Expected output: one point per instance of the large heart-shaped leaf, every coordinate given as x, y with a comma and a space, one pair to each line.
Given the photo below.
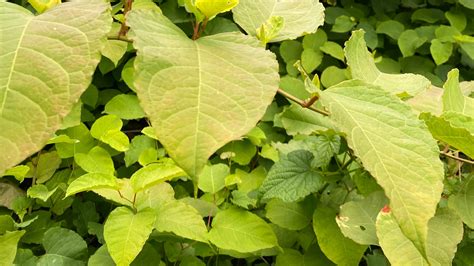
395, 147
47, 61
214, 92
299, 17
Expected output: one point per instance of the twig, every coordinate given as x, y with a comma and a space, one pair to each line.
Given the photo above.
127, 7
120, 38
301, 103
456, 158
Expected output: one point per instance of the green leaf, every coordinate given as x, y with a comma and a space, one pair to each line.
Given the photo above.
242, 231
42, 6
9, 192
333, 75
19, 172
181, 219
64, 242
363, 67
153, 174
212, 178
444, 233
114, 50
97, 160
391, 28
40, 191
289, 215
9, 242
453, 98
292, 178
338, 248
463, 202
92, 181
299, 17
315, 40
84, 143
409, 41
139, 144
125, 106
107, 129
126, 232
311, 59
452, 128
388, 138
46, 164
343, 24
441, 52
356, 219
456, 18
467, 3
298, 120
39, 85
430, 15
210, 8
240, 151
333, 49
213, 112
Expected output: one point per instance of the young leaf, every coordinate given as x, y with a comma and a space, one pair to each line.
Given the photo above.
338, 248
242, 231
444, 233
292, 178
126, 232
9, 243
388, 138
363, 67
153, 174
299, 17
92, 181
210, 8
40, 85
196, 105
182, 219
356, 219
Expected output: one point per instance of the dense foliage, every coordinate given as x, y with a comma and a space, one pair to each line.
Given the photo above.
226, 132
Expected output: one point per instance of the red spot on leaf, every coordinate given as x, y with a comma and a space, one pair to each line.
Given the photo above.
386, 209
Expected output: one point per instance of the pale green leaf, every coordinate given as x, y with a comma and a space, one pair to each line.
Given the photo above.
154, 196
463, 202
292, 178
92, 181
299, 17
338, 248
126, 232
54, 259
125, 106
363, 67
47, 61
452, 128
114, 50
356, 219
441, 52
298, 120
40, 191
212, 178
64, 242
428, 101
181, 219
97, 160
8, 244
213, 72
395, 147
444, 233
453, 98
153, 174
242, 231
289, 215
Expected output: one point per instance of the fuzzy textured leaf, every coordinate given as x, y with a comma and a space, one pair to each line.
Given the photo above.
395, 147
195, 101
47, 61
299, 17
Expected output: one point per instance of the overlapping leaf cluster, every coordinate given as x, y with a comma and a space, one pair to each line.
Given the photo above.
178, 149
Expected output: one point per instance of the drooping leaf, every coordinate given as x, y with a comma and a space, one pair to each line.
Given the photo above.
242, 231
8, 244
196, 105
126, 232
48, 61
444, 233
153, 174
338, 248
64, 242
92, 181
395, 147
453, 98
463, 202
299, 17
363, 67
182, 219
356, 219
292, 178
